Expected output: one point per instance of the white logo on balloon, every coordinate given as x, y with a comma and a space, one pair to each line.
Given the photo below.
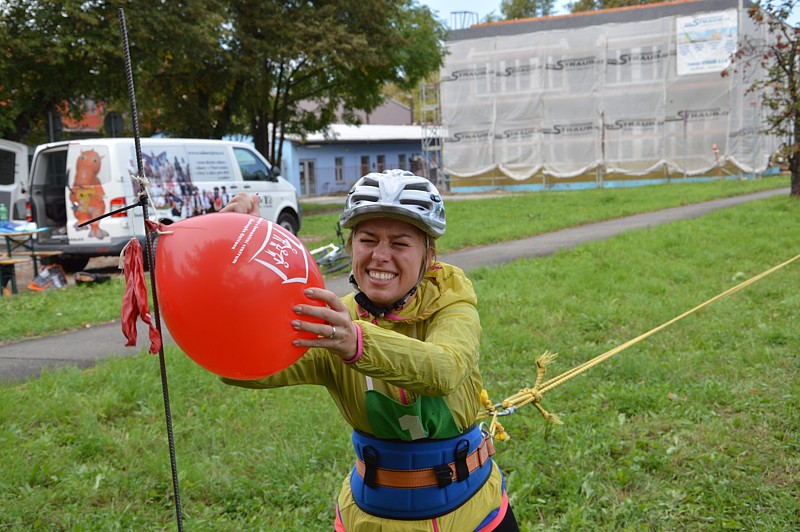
274, 252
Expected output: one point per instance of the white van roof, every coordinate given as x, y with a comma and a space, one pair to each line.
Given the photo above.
159, 140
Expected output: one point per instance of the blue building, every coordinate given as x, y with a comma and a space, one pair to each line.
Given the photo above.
330, 162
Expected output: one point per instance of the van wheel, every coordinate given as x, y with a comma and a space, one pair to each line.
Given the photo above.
288, 221
70, 264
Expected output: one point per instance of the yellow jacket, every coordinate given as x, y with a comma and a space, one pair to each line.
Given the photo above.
430, 347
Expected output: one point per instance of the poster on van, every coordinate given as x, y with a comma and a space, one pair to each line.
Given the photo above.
186, 181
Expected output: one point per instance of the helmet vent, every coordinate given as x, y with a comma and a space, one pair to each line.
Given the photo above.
418, 203
363, 196
418, 186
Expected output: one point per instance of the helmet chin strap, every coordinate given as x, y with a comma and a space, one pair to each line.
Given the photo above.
376, 310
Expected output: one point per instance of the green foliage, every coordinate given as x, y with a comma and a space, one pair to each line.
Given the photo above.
183, 85
695, 428
208, 68
516, 9
315, 60
51, 55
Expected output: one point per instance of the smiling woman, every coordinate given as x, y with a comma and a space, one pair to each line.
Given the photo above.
399, 357
389, 259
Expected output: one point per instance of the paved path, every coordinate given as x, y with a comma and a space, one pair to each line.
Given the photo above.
21, 360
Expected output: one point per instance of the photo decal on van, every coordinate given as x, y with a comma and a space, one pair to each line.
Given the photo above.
87, 193
173, 187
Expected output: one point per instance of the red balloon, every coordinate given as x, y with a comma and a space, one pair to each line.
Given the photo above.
226, 285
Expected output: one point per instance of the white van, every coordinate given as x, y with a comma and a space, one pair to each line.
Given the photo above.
13, 178
73, 182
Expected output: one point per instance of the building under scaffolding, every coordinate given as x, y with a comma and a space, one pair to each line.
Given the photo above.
606, 98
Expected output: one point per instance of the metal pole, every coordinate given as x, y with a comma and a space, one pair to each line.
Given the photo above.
685, 141
151, 265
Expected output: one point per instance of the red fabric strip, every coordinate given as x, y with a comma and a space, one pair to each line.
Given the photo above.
134, 300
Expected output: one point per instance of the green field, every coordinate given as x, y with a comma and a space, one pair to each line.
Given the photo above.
695, 428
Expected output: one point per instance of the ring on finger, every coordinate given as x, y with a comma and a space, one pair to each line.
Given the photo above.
333, 333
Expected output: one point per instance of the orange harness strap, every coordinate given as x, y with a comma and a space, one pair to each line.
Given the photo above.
428, 477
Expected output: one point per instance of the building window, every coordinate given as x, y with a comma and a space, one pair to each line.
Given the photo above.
364, 165
381, 163
339, 170
401, 161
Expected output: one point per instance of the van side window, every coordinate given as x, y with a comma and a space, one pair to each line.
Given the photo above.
56, 170
253, 168
8, 165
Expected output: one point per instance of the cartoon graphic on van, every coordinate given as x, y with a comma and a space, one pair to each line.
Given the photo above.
87, 193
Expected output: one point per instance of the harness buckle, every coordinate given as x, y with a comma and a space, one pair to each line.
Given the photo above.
371, 455
462, 451
444, 475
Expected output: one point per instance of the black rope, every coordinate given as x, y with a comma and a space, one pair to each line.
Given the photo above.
111, 213
151, 265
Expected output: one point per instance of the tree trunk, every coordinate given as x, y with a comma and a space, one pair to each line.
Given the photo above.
260, 131
794, 160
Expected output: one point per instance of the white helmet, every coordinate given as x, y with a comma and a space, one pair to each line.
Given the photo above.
395, 194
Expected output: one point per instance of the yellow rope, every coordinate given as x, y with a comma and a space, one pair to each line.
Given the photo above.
534, 395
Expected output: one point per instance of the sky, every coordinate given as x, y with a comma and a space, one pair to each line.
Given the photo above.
484, 7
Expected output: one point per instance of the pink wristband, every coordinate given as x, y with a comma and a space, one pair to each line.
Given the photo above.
359, 347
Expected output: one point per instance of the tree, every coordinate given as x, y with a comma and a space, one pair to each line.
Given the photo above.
56, 54
49, 54
209, 68
300, 64
182, 61
779, 86
517, 9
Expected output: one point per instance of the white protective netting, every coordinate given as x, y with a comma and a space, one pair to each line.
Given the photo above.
565, 102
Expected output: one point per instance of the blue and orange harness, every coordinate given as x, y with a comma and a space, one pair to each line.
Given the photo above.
421, 479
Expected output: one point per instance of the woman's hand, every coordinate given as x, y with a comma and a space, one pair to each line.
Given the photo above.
338, 334
244, 203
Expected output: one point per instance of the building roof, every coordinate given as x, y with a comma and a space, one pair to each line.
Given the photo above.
338, 133
593, 18
390, 112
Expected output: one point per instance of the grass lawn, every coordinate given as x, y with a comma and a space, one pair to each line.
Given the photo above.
695, 428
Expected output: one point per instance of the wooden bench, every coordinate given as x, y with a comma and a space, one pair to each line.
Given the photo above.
40, 254
8, 264
37, 257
